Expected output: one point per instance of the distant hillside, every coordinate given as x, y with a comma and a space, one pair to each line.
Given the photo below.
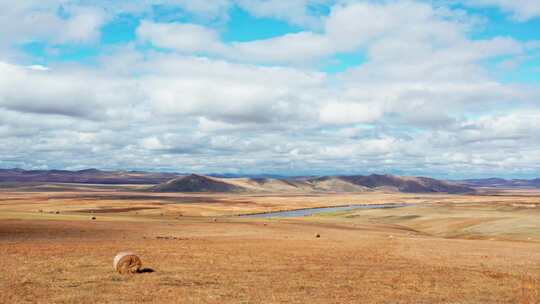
336, 184
407, 184
172, 182
196, 183
89, 176
339, 184
502, 183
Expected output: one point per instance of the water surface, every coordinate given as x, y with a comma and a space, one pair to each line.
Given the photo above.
312, 211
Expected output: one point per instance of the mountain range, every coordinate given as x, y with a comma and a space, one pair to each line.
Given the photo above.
501, 183
201, 183
177, 182
88, 176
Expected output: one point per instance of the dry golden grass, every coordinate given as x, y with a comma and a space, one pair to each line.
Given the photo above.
82, 200
417, 254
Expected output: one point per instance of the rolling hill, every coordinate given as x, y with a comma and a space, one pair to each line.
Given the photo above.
196, 183
173, 182
407, 184
501, 183
334, 184
88, 176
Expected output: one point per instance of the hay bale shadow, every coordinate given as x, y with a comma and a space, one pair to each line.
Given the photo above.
146, 270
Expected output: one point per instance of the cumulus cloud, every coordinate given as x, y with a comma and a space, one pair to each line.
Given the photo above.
521, 10
181, 37
235, 93
413, 26
299, 12
82, 26
422, 101
29, 20
296, 12
349, 113
41, 91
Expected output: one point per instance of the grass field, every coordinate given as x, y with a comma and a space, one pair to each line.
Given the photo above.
443, 248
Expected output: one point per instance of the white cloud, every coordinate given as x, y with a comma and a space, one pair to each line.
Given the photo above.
41, 91
27, 20
82, 26
152, 143
297, 12
422, 96
209, 9
489, 129
412, 26
229, 92
181, 37
76, 93
290, 48
349, 113
521, 10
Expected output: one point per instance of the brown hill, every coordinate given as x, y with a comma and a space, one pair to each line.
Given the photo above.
336, 184
407, 184
196, 183
88, 176
339, 184
502, 183
171, 182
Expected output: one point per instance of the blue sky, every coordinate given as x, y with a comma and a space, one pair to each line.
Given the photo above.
440, 88
240, 26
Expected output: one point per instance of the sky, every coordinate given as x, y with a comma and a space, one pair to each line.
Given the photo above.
444, 88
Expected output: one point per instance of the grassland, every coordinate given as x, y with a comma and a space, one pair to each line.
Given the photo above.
442, 249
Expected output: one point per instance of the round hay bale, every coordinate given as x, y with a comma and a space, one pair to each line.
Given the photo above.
127, 263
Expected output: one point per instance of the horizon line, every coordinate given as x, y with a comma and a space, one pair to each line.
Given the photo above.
275, 175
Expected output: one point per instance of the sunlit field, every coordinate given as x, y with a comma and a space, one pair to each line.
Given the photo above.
59, 246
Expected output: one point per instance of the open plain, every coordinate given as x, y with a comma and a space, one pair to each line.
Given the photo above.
57, 243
